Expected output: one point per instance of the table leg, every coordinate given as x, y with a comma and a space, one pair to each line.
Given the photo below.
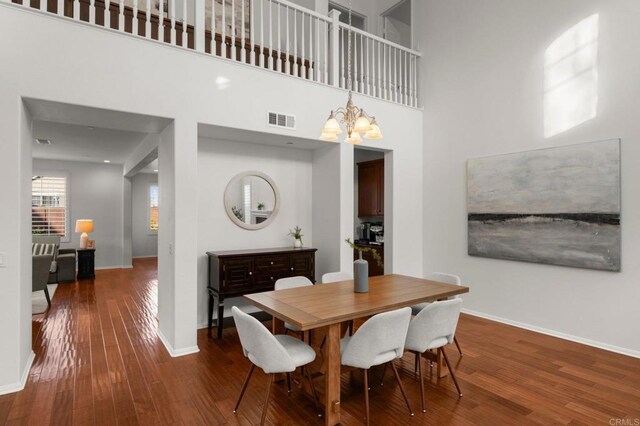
441, 369
332, 376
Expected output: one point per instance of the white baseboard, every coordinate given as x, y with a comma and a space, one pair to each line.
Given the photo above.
176, 352
558, 334
17, 387
100, 268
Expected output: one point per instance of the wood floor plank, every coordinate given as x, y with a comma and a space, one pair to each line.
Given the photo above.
99, 361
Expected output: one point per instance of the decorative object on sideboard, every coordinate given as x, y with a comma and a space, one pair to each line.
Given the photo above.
91, 244
361, 267
297, 235
355, 119
558, 206
85, 226
241, 200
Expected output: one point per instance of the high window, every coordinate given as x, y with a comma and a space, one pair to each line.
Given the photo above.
153, 207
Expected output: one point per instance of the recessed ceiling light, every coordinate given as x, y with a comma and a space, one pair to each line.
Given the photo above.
156, 171
43, 141
107, 161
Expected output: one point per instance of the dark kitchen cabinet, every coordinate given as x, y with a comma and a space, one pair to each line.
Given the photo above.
371, 188
374, 268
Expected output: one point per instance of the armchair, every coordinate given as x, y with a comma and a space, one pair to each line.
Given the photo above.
40, 268
63, 264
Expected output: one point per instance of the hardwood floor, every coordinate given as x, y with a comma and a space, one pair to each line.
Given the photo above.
99, 361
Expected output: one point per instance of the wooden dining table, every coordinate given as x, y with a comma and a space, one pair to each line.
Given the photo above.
329, 305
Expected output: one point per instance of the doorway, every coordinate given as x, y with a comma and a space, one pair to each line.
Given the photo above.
396, 24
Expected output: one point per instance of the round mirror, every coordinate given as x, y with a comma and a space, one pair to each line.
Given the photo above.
252, 200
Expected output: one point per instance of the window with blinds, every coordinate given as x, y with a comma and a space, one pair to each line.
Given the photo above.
49, 208
153, 207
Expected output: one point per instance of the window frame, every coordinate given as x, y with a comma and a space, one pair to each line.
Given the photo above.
57, 174
148, 208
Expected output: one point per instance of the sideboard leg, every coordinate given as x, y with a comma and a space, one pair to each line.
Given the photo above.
220, 317
210, 317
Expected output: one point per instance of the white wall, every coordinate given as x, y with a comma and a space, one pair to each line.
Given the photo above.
76, 59
145, 243
218, 162
483, 87
95, 192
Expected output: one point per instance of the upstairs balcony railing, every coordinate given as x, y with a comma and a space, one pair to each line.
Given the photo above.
271, 34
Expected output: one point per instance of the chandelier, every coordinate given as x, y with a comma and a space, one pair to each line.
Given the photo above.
355, 120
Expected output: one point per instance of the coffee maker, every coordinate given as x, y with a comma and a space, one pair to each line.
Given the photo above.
376, 233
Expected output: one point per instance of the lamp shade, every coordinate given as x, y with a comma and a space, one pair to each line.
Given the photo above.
362, 124
328, 137
332, 126
84, 225
374, 133
354, 138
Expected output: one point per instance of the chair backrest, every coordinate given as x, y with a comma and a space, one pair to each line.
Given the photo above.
41, 264
379, 335
444, 278
292, 282
260, 346
434, 326
332, 277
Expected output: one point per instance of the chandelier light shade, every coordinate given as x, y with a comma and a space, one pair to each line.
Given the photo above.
356, 121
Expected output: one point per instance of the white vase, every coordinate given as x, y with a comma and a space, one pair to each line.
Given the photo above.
297, 243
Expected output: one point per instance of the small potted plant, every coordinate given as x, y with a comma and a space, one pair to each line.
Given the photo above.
238, 213
260, 205
297, 235
361, 267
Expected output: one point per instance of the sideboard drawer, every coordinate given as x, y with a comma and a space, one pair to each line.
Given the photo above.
237, 274
271, 263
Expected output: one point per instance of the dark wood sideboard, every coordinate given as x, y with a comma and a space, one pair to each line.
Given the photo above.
238, 272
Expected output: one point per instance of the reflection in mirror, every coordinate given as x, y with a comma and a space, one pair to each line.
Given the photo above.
251, 200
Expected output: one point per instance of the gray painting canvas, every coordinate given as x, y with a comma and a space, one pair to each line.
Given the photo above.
558, 206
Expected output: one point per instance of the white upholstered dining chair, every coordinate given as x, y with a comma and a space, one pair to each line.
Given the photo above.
273, 354
332, 277
380, 340
292, 282
443, 278
433, 328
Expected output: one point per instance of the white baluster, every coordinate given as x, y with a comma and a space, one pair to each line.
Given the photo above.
303, 66
312, 64
214, 46
362, 76
406, 79
341, 58
318, 67
415, 81
160, 21
367, 58
326, 52
76, 9
185, 35
296, 70
355, 83
107, 14
270, 35
233, 30
60, 7
287, 64
243, 50
279, 42
121, 16
262, 58
147, 20
374, 75
172, 22
409, 80
92, 10
252, 37
223, 35
134, 21
43, 5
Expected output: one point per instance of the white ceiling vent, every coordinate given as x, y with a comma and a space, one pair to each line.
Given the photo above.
284, 121
43, 141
